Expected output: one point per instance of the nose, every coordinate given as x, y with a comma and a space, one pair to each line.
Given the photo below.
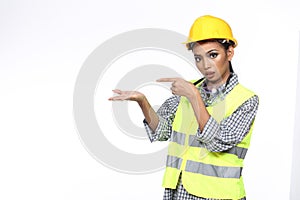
206, 64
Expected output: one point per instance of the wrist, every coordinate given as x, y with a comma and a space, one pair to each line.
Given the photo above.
193, 94
142, 100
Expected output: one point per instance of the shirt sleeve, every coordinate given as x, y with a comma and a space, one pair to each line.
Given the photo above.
166, 115
229, 132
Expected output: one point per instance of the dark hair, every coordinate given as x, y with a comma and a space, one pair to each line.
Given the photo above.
224, 42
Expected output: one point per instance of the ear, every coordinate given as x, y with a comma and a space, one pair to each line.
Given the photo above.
230, 53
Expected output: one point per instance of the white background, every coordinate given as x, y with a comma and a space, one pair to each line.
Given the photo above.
43, 45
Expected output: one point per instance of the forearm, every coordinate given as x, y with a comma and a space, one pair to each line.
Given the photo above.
165, 114
150, 115
199, 108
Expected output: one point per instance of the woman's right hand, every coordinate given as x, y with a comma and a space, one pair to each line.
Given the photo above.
150, 115
127, 95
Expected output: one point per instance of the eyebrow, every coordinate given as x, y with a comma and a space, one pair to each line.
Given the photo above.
206, 52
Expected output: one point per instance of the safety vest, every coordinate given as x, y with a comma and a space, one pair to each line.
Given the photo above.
206, 174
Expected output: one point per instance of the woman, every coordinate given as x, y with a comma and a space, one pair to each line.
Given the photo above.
208, 122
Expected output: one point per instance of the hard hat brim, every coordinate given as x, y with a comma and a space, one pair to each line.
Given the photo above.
192, 41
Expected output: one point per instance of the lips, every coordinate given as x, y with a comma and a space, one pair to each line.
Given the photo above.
209, 74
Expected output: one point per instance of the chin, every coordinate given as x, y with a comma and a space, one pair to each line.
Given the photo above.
211, 79
214, 80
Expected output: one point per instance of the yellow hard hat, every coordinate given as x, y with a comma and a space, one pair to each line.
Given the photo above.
210, 27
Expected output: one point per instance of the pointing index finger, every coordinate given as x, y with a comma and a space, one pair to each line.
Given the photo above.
166, 79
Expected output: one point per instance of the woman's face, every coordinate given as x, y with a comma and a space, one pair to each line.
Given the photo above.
212, 61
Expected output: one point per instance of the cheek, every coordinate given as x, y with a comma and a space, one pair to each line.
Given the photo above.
200, 67
220, 64
207, 63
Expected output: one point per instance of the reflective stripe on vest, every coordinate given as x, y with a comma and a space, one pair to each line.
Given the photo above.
178, 138
205, 169
240, 152
212, 170
174, 162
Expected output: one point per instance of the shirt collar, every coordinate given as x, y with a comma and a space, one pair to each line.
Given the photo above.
226, 87
211, 96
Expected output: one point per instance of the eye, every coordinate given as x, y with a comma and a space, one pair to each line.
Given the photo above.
197, 59
213, 55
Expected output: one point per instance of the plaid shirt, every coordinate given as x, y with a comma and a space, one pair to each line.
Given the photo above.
215, 136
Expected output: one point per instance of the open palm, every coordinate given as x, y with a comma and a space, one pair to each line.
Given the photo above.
127, 95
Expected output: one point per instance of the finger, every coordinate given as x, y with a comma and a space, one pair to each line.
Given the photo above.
117, 91
166, 79
117, 98
173, 89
